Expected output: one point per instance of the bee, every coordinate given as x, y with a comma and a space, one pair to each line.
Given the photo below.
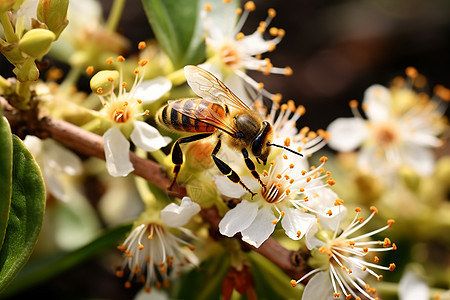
218, 112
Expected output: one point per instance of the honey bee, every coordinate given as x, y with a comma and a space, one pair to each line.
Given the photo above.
218, 112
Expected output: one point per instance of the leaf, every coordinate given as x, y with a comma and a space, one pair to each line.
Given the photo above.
26, 213
178, 28
43, 269
5, 175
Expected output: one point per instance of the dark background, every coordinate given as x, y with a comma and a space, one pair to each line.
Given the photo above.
336, 49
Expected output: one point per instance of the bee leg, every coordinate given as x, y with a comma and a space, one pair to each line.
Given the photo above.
232, 175
251, 167
177, 154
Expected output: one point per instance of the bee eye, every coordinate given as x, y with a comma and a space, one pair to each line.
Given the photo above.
258, 143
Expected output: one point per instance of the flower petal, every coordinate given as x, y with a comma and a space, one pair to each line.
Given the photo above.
117, 153
148, 137
319, 288
261, 227
230, 189
62, 159
296, 223
238, 218
178, 215
411, 287
151, 90
377, 101
311, 240
421, 159
346, 134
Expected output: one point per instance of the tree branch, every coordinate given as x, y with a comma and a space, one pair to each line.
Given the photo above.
88, 143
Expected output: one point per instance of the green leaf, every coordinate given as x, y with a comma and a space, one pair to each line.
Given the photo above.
178, 28
5, 175
26, 213
39, 271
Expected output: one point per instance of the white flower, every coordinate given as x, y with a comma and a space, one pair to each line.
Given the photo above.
55, 161
339, 265
152, 253
412, 287
288, 191
401, 129
231, 52
122, 110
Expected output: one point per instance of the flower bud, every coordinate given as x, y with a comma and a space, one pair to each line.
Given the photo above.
36, 42
102, 83
53, 13
28, 71
6, 5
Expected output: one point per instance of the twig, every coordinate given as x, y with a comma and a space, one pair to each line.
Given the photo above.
91, 144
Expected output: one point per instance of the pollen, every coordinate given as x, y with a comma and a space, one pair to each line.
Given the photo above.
374, 209
277, 97
110, 79
392, 267
90, 70
99, 91
358, 209
302, 190
305, 199
250, 6
273, 31
124, 84
238, 11
353, 103
139, 101
142, 45
380, 277
240, 36
274, 222
390, 223
338, 202
143, 62
288, 71
141, 246
207, 7
331, 181
366, 250
293, 283
411, 72
287, 142
120, 58
323, 159
336, 295
329, 213
386, 242
299, 234
109, 60
288, 191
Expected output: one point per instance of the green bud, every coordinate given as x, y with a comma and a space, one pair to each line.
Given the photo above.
28, 71
36, 42
6, 5
53, 13
102, 83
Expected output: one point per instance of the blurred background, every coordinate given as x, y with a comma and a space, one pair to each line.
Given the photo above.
336, 49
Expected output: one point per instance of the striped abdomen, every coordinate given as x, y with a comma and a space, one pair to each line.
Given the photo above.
187, 114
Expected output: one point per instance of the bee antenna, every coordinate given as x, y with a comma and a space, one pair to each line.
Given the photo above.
285, 148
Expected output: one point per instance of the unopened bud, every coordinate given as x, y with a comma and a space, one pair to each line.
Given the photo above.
54, 14
103, 82
6, 5
28, 71
36, 42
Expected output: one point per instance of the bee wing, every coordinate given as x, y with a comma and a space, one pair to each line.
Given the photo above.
205, 114
210, 88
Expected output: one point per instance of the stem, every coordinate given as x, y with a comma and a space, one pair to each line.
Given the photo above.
10, 35
4, 83
177, 77
23, 90
160, 157
115, 15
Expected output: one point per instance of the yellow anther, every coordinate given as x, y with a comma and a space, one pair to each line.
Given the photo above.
353, 103
136, 71
301, 190
110, 79
366, 250
291, 166
293, 283
143, 62
336, 295
119, 273
392, 267
329, 213
288, 191
288, 71
390, 222
150, 236
277, 97
120, 58
142, 45
141, 246
139, 101
386, 242
358, 209
260, 86
285, 156
271, 46
271, 12
250, 6
274, 222
207, 7
279, 176
99, 91
273, 31
127, 284
374, 209
331, 181
90, 70
411, 72
323, 159
109, 60
380, 277
299, 234
338, 202
124, 84
238, 11
304, 172
305, 199
240, 36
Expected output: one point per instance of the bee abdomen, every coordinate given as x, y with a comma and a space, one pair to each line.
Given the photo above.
171, 116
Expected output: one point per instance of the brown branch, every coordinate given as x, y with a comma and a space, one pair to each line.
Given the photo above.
91, 144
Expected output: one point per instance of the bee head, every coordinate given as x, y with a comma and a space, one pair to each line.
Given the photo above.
261, 144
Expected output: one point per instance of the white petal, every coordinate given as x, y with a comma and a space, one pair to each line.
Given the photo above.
311, 240
61, 158
295, 221
151, 90
233, 190
53, 182
377, 101
411, 287
33, 144
176, 216
419, 158
154, 294
319, 288
261, 228
346, 134
238, 218
148, 137
117, 153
